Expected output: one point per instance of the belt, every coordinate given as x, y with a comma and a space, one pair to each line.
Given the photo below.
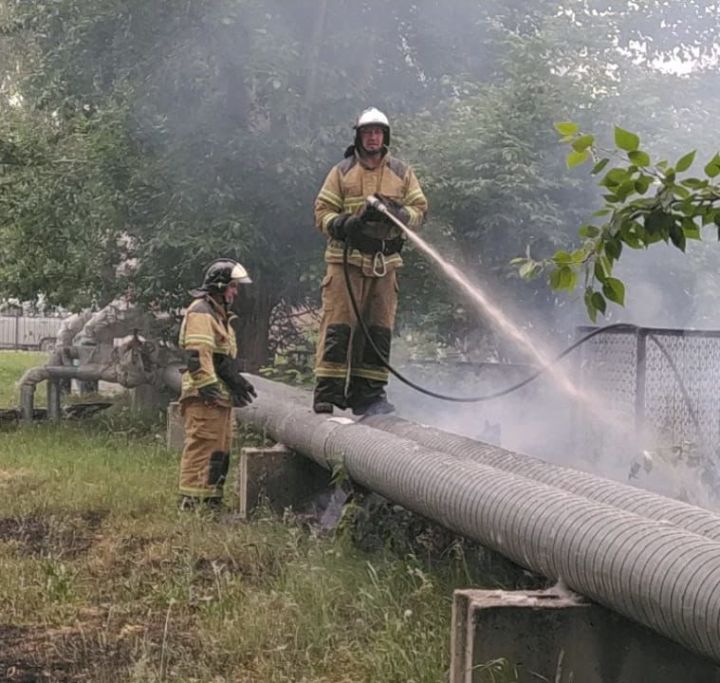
373, 245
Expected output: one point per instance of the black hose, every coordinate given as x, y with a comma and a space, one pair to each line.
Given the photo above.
503, 392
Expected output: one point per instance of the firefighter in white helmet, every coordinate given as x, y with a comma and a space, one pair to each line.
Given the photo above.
347, 370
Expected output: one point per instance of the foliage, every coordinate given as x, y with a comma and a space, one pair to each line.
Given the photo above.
646, 203
139, 140
103, 581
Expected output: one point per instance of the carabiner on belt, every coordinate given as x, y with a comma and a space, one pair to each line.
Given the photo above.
379, 268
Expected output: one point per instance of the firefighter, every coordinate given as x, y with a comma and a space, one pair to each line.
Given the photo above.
347, 370
211, 384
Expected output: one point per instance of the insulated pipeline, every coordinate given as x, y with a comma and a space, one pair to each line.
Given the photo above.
630, 498
601, 490
657, 574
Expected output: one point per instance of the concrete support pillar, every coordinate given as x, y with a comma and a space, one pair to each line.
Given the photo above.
54, 392
277, 477
531, 636
175, 431
147, 398
27, 402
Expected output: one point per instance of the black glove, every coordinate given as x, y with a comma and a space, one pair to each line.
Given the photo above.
228, 370
369, 214
343, 226
210, 393
192, 356
394, 207
243, 392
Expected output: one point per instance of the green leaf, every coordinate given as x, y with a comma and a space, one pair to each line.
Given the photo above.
589, 231
681, 192
685, 162
677, 236
566, 127
639, 158
598, 302
658, 223
694, 183
526, 270
614, 290
614, 177
591, 310
581, 143
600, 165
564, 278
613, 249
562, 257
626, 140
624, 190
713, 167
599, 271
643, 183
691, 230
577, 158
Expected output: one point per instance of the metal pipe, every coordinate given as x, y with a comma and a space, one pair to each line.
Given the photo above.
605, 491
657, 574
630, 498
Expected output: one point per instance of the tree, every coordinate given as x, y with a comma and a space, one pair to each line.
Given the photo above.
139, 140
646, 202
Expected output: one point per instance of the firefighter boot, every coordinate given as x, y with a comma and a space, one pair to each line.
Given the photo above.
368, 397
329, 392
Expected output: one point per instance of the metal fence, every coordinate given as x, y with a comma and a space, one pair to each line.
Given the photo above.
28, 332
667, 380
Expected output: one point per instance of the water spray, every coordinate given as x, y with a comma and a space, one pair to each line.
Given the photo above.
547, 364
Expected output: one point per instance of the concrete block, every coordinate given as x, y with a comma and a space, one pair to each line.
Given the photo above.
561, 638
278, 477
175, 434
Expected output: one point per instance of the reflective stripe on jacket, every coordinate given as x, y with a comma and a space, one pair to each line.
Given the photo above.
345, 189
206, 329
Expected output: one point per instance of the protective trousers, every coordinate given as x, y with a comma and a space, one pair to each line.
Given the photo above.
347, 370
206, 455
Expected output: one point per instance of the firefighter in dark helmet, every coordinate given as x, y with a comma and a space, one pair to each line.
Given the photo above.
347, 370
211, 384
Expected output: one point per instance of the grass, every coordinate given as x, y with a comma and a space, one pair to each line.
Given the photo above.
12, 366
104, 581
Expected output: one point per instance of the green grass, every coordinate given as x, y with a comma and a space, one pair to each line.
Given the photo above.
12, 366
103, 580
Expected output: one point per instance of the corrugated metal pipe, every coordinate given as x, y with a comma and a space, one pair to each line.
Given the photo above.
629, 498
656, 573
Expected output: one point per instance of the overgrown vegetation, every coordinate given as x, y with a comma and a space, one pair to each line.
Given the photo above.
165, 134
104, 580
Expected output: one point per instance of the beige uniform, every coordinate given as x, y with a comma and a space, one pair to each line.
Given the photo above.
205, 330
347, 370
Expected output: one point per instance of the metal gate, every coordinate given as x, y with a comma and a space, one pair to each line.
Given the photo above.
28, 332
667, 380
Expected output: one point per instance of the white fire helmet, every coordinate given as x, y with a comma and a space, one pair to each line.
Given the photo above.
372, 117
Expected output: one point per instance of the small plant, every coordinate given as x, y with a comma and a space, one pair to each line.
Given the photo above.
59, 580
497, 671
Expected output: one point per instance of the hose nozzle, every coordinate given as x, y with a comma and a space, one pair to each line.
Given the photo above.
373, 201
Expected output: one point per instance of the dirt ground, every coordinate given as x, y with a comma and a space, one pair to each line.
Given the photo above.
89, 649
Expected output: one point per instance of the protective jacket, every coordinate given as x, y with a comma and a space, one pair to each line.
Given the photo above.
206, 330
345, 189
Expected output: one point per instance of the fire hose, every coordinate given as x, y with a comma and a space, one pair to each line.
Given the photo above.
628, 327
